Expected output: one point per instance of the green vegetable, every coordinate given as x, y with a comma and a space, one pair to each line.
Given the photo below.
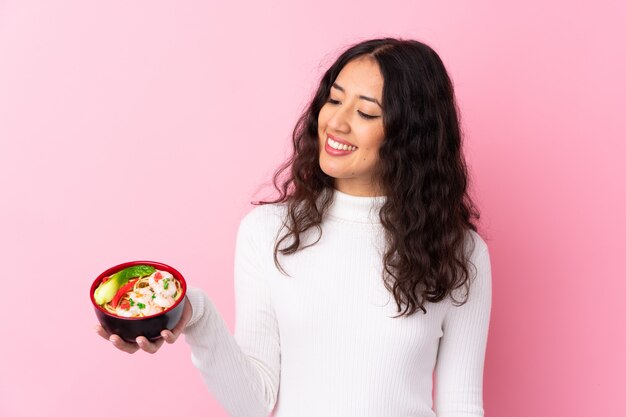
106, 291
141, 305
132, 302
166, 283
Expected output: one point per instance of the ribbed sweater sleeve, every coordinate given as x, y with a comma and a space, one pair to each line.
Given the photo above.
241, 371
461, 355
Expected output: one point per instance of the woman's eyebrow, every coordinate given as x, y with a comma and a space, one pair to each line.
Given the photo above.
373, 100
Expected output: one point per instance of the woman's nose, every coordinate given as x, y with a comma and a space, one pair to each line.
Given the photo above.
339, 120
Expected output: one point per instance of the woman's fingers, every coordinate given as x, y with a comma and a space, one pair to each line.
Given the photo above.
141, 342
117, 341
103, 333
168, 336
122, 345
148, 346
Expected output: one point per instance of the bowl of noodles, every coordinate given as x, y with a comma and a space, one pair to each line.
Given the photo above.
139, 298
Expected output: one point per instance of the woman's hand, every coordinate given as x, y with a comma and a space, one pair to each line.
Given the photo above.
142, 342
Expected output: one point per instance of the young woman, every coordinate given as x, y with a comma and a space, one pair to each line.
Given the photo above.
366, 278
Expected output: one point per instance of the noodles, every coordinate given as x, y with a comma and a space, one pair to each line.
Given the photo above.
146, 296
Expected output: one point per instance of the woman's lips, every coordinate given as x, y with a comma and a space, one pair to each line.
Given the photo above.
335, 152
336, 139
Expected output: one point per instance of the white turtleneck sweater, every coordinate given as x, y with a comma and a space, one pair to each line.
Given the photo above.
323, 343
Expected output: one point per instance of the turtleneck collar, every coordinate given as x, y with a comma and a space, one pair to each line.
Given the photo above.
355, 208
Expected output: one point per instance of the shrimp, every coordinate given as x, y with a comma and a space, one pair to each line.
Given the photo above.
151, 309
162, 283
141, 303
123, 312
163, 301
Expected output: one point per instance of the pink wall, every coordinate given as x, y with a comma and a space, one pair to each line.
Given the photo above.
141, 129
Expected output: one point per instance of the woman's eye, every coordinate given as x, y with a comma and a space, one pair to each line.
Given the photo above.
363, 115
367, 116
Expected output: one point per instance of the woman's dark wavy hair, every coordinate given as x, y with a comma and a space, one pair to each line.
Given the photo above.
428, 212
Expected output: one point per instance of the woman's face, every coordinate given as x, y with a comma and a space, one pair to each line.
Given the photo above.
353, 116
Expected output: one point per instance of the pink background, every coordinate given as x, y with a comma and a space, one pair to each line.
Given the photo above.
142, 129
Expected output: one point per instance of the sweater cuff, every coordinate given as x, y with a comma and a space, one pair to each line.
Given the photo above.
199, 302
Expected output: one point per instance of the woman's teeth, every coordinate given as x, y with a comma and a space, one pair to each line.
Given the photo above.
340, 146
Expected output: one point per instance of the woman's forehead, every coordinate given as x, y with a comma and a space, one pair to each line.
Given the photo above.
360, 77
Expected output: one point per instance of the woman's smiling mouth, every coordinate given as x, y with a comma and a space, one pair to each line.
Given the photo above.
338, 147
